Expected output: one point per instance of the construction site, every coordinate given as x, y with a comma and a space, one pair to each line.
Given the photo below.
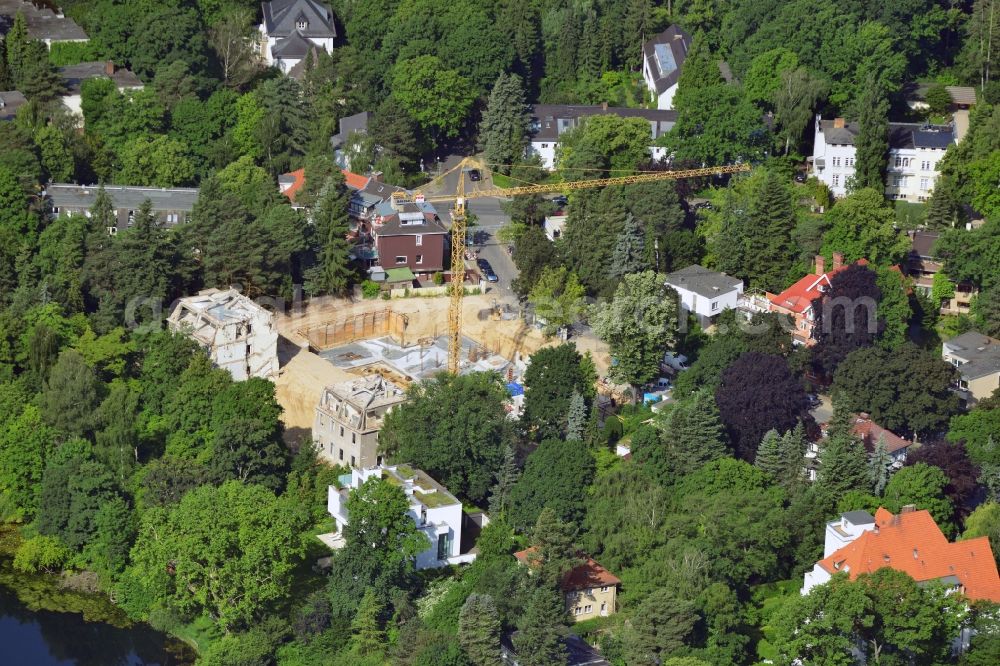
404, 340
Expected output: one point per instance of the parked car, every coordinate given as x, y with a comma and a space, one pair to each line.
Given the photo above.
487, 270
675, 361
560, 200
800, 176
814, 400
474, 175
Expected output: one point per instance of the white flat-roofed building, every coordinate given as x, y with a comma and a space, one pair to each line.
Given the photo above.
239, 335
705, 293
435, 511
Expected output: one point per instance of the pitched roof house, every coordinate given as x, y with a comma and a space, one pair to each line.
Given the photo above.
549, 121
409, 235
977, 358
705, 293
292, 28
662, 59
796, 301
347, 126
589, 589
45, 21
73, 77
171, 205
910, 542
10, 102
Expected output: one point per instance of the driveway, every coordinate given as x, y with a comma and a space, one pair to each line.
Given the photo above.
824, 412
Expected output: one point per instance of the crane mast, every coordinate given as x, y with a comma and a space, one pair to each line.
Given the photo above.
459, 222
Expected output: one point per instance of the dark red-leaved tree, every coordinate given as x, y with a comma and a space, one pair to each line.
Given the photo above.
954, 461
758, 392
846, 317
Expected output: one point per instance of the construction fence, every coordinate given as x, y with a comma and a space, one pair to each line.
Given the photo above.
356, 327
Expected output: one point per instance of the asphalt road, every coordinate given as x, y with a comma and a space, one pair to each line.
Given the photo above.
489, 219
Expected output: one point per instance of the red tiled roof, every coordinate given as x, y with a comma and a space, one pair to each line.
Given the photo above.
869, 432
582, 577
298, 181
353, 180
913, 543
799, 297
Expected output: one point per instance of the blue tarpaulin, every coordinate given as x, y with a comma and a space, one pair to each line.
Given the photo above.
515, 389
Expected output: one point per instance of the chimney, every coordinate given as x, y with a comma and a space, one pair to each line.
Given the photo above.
838, 123
909, 508
838, 260
604, 106
109, 67
820, 264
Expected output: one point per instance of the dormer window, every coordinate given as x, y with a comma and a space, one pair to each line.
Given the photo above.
301, 25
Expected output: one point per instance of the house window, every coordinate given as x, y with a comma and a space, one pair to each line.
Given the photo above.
420, 239
419, 259
112, 231
604, 590
301, 25
588, 608
341, 431
849, 161
899, 162
715, 305
923, 184
342, 455
55, 210
354, 438
545, 145
443, 547
400, 260
836, 180
352, 462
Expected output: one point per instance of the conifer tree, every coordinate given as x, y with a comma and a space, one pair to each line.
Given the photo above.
943, 210
576, 420
843, 463
872, 142
769, 454
630, 253
539, 639
504, 128
367, 636
881, 466
507, 476
479, 630
770, 247
693, 434
333, 274
16, 44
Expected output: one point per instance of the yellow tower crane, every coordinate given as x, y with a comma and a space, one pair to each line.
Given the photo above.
458, 221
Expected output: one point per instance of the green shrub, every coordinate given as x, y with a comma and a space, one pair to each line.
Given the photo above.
72, 53
370, 289
41, 553
439, 279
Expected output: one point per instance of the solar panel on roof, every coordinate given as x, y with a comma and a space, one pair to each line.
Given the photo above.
664, 59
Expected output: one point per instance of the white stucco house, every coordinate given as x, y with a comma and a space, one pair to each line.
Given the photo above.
239, 335
73, 77
549, 121
705, 293
292, 28
915, 149
662, 59
436, 512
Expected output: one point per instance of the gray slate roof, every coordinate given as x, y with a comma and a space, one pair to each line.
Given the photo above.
702, 281
281, 17
43, 23
65, 195
75, 75
548, 121
858, 517
10, 102
982, 353
356, 123
901, 135
665, 54
392, 225
293, 46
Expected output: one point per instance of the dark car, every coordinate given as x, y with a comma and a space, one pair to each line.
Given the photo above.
814, 400
487, 270
560, 200
474, 175
800, 177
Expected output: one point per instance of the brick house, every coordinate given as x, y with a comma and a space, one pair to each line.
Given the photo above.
409, 235
589, 589
796, 301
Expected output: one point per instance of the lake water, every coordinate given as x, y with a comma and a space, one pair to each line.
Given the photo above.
45, 638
